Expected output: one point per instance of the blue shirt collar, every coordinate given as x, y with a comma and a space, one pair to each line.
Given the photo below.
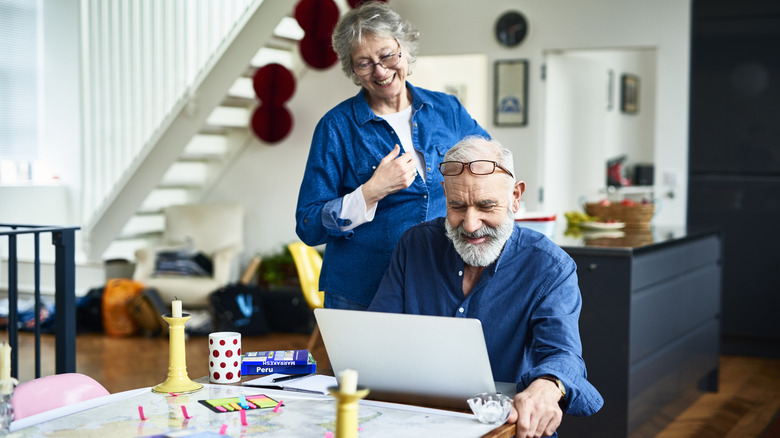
364, 114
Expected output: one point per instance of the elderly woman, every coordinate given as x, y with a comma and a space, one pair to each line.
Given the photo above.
372, 167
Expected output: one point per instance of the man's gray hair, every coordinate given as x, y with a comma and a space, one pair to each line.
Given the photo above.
372, 19
475, 147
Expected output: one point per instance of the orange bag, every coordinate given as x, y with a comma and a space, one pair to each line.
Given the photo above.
117, 320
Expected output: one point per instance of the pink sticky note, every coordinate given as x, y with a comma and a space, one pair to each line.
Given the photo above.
278, 405
328, 434
243, 417
141, 412
184, 411
221, 409
223, 429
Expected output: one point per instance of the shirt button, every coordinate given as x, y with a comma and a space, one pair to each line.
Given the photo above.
425, 196
461, 310
373, 167
460, 273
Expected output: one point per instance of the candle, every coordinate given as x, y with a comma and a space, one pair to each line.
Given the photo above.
348, 382
176, 308
6, 382
5, 362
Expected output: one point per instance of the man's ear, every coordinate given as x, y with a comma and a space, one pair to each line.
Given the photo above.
517, 195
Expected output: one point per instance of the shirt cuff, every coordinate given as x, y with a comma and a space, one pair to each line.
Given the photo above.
353, 210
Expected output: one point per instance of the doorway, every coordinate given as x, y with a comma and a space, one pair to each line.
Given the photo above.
585, 122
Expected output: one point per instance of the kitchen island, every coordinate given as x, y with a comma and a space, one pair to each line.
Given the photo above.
650, 323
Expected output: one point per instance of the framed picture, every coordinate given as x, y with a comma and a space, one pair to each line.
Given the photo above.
511, 93
629, 93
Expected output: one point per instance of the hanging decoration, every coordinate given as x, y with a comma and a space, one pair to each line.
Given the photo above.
317, 18
274, 85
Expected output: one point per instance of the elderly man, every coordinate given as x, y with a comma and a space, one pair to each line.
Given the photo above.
476, 263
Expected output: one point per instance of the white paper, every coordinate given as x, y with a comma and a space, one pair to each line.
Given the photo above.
314, 383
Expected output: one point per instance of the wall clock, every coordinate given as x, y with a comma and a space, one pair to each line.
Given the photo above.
511, 28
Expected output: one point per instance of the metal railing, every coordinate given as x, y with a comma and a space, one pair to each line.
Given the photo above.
63, 239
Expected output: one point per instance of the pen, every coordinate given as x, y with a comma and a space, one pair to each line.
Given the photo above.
290, 377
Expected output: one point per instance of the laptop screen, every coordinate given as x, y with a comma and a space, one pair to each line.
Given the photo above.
411, 354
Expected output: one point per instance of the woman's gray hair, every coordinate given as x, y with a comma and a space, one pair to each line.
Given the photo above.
372, 19
475, 147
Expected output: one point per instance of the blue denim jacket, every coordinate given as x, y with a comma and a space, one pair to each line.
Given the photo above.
528, 302
348, 143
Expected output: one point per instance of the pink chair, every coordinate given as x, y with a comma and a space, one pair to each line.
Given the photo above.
45, 393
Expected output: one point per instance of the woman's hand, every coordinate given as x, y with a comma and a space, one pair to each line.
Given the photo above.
394, 173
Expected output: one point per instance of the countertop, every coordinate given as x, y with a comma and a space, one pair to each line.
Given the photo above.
627, 241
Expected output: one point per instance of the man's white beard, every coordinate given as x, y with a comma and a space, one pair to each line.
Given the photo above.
485, 253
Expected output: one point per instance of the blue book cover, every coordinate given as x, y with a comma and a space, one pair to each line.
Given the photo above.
279, 357
256, 368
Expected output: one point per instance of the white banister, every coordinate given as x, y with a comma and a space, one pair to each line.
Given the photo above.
140, 61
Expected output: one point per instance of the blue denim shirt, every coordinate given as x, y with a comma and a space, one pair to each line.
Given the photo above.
528, 302
349, 141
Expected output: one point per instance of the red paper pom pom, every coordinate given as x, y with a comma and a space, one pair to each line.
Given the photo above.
273, 84
271, 123
317, 52
317, 17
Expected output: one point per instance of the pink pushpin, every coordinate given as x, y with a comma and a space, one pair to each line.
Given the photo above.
278, 405
223, 429
328, 434
141, 412
243, 417
184, 411
173, 394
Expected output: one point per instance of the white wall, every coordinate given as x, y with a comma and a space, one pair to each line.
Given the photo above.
267, 178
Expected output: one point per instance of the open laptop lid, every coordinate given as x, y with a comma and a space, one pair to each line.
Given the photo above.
410, 354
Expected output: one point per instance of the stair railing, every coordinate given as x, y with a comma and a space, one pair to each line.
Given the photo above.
140, 62
63, 239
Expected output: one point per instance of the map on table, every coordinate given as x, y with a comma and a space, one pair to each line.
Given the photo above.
299, 416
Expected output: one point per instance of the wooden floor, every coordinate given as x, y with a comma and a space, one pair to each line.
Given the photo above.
746, 404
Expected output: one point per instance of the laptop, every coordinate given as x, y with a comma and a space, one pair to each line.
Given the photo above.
434, 357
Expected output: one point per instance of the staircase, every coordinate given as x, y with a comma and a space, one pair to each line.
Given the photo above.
202, 134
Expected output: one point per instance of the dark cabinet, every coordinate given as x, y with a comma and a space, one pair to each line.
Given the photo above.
649, 325
734, 162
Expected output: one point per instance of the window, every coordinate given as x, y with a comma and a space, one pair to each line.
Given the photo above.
19, 43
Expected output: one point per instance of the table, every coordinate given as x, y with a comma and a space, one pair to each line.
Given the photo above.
301, 415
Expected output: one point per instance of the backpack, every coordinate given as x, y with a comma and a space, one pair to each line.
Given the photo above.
117, 320
238, 308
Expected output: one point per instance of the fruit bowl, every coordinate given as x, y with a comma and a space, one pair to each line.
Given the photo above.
634, 214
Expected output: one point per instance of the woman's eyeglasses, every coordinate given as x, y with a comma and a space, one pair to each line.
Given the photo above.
478, 167
365, 68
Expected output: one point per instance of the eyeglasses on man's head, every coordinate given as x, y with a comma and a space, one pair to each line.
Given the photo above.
478, 167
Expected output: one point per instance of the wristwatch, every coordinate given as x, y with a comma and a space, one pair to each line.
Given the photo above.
558, 382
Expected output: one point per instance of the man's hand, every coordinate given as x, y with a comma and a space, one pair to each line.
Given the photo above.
535, 410
393, 173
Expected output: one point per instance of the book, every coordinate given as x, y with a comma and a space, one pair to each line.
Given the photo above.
249, 368
312, 383
280, 357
